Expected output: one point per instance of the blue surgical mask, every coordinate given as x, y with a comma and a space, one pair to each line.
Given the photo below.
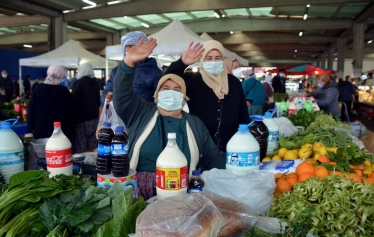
170, 100
320, 85
213, 68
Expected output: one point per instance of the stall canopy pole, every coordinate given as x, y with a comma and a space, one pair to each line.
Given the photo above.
106, 69
20, 80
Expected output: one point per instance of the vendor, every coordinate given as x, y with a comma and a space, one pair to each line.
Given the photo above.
327, 95
148, 123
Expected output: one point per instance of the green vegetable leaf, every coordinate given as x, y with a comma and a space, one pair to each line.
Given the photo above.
24, 177
103, 203
119, 206
32, 197
115, 190
77, 216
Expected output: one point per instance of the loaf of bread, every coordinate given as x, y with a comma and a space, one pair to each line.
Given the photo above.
180, 216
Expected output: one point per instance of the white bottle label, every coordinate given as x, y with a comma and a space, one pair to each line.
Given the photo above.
11, 158
243, 159
273, 136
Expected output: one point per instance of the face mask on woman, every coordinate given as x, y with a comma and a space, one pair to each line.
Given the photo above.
213, 68
170, 100
237, 72
320, 85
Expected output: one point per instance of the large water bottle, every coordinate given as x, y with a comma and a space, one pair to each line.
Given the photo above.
11, 151
104, 150
260, 133
242, 152
120, 151
273, 138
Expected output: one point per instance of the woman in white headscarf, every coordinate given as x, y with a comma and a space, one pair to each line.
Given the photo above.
269, 90
50, 103
86, 98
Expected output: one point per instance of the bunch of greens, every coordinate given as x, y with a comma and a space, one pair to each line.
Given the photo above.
342, 207
2, 182
278, 97
303, 117
323, 120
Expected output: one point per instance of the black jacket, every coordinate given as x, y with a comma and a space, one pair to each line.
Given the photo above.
86, 99
279, 84
347, 90
48, 104
8, 86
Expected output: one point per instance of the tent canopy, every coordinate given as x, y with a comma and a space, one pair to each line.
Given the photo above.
227, 53
70, 55
309, 70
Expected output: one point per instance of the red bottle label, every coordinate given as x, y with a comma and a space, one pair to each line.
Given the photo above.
171, 178
59, 159
24, 111
17, 108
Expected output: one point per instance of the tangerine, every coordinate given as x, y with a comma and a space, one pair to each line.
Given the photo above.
324, 159
371, 175
358, 167
333, 163
370, 180
291, 175
359, 173
321, 172
355, 177
336, 172
283, 186
305, 176
293, 180
309, 161
279, 176
276, 193
304, 168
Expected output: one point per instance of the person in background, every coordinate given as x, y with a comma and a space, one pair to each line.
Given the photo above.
233, 67
254, 93
347, 95
147, 72
216, 97
73, 80
65, 82
16, 87
327, 95
269, 100
36, 82
148, 123
86, 104
370, 81
304, 86
8, 85
279, 82
363, 79
3, 97
27, 86
228, 63
101, 83
49, 103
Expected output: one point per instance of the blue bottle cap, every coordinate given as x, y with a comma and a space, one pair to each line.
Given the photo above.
243, 127
257, 118
119, 129
5, 125
196, 172
268, 114
107, 124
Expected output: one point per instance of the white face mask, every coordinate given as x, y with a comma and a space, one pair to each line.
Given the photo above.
237, 72
213, 68
4, 75
170, 100
281, 74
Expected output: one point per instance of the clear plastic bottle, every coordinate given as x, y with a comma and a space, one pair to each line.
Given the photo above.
104, 150
120, 151
283, 109
261, 133
196, 183
299, 104
273, 138
292, 108
171, 170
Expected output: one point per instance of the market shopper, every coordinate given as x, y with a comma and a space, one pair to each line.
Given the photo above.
27, 86
254, 93
147, 72
279, 82
148, 123
86, 104
216, 97
327, 95
49, 103
232, 67
269, 90
8, 85
347, 94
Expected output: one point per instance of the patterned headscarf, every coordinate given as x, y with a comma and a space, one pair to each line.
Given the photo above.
132, 38
55, 73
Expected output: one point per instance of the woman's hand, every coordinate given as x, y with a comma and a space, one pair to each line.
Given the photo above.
193, 53
139, 52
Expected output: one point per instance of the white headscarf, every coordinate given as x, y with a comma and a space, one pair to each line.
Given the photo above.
267, 80
85, 70
55, 73
249, 74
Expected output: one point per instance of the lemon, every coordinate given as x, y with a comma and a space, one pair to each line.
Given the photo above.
367, 163
266, 159
308, 145
305, 152
316, 156
317, 146
290, 155
322, 151
276, 157
282, 151
372, 166
296, 151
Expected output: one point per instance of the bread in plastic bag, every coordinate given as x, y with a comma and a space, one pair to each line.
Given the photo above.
180, 216
238, 216
254, 189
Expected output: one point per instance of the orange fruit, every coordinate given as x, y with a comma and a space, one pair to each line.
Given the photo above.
305, 176
283, 186
336, 172
359, 173
358, 167
291, 175
324, 159
355, 177
276, 193
304, 168
333, 163
279, 176
293, 180
321, 172
370, 180
309, 161
371, 175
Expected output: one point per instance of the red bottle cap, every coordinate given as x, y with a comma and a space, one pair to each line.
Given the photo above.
57, 124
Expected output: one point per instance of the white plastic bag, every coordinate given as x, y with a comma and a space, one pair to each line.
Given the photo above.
286, 127
254, 189
110, 116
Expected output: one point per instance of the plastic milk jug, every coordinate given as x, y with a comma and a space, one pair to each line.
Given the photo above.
242, 152
273, 138
11, 151
314, 104
292, 108
299, 104
58, 153
171, 170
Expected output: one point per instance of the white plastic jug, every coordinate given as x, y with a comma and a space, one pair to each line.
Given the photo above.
273, 138
242, 152
171, 170
11, 150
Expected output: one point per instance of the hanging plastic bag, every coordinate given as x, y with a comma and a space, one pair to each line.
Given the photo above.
254, 189
109, 115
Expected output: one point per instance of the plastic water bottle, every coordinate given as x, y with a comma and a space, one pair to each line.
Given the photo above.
196, 183
242, 152
299, 104
261, 133
273, 138
283, 109
11, 151
292, 108
120, 151
308, 106
171, 170
104, 150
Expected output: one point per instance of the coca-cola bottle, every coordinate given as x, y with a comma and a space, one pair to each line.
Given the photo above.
58, 153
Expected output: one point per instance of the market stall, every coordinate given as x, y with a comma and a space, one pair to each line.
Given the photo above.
366, 101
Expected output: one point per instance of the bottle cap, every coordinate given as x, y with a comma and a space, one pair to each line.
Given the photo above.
119, 129
243, 127
107, 124
57, 124
196, 172
5, 125
172, 135
257, 118
268, 114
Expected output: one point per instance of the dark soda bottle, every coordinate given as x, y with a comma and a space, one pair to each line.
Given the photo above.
259, 130
196, 183
120, 157
104, 150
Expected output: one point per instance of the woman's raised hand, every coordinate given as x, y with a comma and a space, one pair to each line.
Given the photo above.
139, 52
193, 53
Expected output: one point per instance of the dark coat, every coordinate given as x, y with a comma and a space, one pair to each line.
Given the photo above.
8, 85
347, 91
279, 84
327, 99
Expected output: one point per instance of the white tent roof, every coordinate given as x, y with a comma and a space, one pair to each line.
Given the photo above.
228, 53
70, 54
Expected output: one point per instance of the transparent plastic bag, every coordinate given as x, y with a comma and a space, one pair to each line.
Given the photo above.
273, 226
109, 115
238, 216
286, 127
254, 189
180, 216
